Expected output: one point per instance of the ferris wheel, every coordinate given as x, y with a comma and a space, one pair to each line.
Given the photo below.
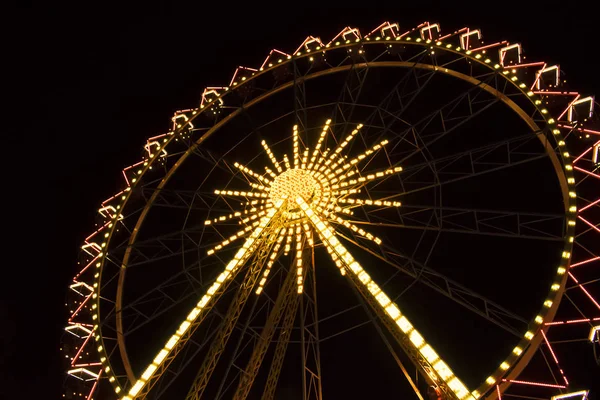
406, 208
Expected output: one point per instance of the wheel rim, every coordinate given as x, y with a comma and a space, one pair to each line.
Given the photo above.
527, 347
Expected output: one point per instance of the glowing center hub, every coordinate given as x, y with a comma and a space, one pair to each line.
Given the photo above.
293, 183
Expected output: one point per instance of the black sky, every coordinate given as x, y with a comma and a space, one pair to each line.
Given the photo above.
88, 85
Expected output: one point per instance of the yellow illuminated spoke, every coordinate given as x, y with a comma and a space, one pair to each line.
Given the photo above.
343, 257
226, 242
254, 215
299, 258
296, 149
320, 160
354, 228
309, 235
288, 241
370, 202
286, 161
270, 172
272, 258
252, 173
341, 146
356, 160
222, 218
259, 187
253, 203
325, 167
304, 159
271, 156
319, 144
336, 260
232, 267
250, 211
345, 191
236, 193
337, 175
369, 177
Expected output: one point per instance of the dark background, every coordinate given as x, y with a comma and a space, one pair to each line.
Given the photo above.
86, 86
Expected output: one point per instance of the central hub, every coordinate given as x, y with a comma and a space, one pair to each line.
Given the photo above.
293, 183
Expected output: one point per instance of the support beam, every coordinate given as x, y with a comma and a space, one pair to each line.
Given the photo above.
287, 294
280, 349
178, 340
233, 313
428, 362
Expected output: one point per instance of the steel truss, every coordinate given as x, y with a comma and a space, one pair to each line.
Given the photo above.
106, 254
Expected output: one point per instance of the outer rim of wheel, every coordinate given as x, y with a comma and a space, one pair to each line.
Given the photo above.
548, 312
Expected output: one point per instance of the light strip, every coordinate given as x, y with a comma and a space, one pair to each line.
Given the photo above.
271, 260
327, 236
582, 393
356, 160
299, 271
318, 146
226, 275
296, 149
271, 156
251, 173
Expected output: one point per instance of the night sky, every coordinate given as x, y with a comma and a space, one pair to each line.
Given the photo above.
89, 85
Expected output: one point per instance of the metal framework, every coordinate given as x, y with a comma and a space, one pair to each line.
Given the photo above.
330, 193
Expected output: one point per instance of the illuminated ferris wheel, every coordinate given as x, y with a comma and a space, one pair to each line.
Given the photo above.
398, 204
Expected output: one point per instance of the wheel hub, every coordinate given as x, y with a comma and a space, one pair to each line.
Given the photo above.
293, 183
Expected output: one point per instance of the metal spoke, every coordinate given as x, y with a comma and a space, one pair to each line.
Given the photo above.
287, 295
280, 350
233, 313
525, 225
472, 301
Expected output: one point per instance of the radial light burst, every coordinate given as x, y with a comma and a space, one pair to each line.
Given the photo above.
327, 181
286, 205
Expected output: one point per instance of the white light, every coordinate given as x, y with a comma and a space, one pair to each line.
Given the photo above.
582, 393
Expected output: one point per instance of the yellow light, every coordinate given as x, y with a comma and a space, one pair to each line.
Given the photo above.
442, 369
135, 389
381, 297
160, 357
172, 341
148, 372
529, 335
404, 325
429, 354
416, 338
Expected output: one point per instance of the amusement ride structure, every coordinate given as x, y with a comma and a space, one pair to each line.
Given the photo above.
426, 194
